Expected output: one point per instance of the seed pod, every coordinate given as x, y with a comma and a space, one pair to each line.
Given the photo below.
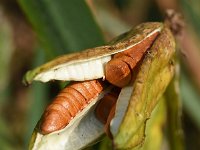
134, 104
137, 100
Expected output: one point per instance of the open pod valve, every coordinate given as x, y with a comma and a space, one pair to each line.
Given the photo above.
114, 90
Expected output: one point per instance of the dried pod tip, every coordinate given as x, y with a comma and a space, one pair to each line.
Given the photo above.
175, 21
25, 81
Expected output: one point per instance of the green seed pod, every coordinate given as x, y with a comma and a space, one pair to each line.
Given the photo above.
155, 73
135, 102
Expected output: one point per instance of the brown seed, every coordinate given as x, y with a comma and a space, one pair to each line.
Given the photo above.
74, 97
104, 106
105, 109
51, 121
67, 104
119, 70
110, 117
83, 90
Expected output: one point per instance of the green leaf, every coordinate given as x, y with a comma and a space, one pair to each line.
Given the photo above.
38, 99
192, 13
62, 26
190, 98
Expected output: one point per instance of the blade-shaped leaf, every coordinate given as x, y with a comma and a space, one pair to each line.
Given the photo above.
190, 98
62, 26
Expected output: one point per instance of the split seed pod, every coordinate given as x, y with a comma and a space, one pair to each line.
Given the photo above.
156, 71
134, 104
90, 64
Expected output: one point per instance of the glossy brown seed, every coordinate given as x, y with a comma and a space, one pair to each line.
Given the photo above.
105, 109
119, 69
110, 117
68, 103
75, 97
104, 106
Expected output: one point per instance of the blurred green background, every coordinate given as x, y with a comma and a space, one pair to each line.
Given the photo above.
35, 31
